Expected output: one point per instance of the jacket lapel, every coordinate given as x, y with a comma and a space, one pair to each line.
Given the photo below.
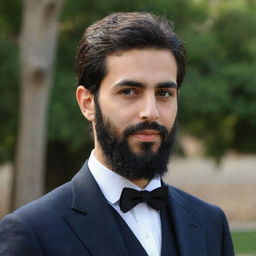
91, 217
188, 230
94, 224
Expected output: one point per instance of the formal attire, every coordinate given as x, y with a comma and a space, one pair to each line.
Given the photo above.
144, 221
82, 217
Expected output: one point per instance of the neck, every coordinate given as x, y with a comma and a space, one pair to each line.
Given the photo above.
142, 183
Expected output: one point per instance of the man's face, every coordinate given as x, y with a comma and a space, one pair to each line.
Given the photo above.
136, 109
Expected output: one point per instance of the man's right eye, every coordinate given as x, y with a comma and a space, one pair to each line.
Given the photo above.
128, 91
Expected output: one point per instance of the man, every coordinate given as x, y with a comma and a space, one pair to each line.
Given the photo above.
130, 67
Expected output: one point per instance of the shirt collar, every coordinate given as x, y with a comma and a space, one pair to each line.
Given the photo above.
111, 183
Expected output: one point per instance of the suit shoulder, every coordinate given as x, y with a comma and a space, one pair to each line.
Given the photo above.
20, 231
190, 200
207, 214
52, 203
210, 218
17, 238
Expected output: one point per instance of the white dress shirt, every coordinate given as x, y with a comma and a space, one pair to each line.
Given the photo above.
144, 221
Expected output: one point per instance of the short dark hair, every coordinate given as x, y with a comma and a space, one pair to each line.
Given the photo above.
124, 31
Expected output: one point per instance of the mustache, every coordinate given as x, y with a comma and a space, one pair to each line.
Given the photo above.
143, 126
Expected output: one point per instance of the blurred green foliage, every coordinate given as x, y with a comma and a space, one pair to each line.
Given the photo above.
217, 100
9, 69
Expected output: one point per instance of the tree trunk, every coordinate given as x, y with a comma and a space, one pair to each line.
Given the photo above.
37, 51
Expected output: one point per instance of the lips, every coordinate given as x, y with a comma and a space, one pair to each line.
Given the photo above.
146, 135
147, 132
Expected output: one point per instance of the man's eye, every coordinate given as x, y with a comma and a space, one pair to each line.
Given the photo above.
128, 92
164, 93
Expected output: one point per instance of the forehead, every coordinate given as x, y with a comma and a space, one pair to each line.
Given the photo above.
148, 66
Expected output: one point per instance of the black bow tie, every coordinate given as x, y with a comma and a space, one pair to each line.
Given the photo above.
156, 198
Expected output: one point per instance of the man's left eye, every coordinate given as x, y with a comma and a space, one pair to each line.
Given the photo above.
164, 93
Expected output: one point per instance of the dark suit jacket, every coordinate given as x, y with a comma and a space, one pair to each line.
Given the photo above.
75, 219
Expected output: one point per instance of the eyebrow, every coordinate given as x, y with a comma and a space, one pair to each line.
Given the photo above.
130, 83
166, 84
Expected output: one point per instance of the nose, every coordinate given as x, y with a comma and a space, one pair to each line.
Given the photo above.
149, 110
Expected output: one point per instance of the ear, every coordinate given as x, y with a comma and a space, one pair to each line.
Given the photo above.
85, 100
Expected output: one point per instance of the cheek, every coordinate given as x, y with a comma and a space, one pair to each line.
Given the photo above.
169, 115
117, 120
168, 112
122, 117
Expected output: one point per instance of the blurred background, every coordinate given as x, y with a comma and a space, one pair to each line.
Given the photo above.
44, 139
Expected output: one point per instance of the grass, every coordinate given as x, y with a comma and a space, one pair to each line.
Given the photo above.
245, 242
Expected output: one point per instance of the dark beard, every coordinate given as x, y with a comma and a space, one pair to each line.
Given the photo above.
143, 165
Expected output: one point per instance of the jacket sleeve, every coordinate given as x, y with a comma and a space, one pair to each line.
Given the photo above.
16, 238
227, 244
